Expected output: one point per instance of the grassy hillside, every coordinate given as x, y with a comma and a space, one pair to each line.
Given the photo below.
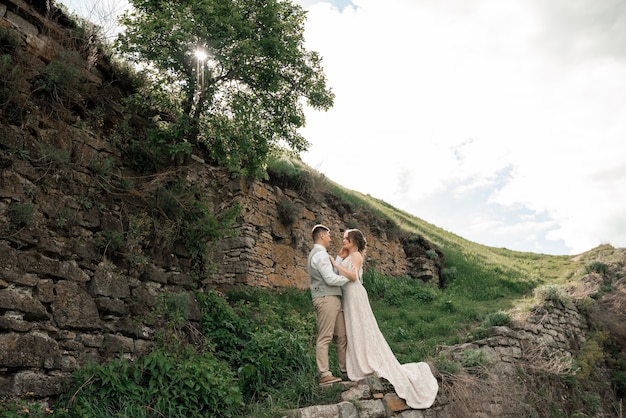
253, 354
480, 281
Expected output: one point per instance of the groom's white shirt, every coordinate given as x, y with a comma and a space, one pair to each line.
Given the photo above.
324, 281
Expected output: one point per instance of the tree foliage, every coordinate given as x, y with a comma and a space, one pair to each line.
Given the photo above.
246, 98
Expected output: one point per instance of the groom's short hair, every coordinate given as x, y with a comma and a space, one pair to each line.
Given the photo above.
318, 229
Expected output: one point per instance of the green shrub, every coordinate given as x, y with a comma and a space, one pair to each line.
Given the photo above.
159, 384
102, 167
432, 254
553, 293
9, 39
282, 171
287, 213
223, 326
290, 173
479, 333
379, 225
110, 242
179, 150
21, 214
448, 274
619, 379
268, 343
289, 308
585, 305
282, 166
9, 72
445, 366
495, 319
590, 354
59, 81
51, 155
271, 358
471, 359
448, 306
142, 154
597, 267
65, 217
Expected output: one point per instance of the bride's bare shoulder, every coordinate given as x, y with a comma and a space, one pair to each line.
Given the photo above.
356, 257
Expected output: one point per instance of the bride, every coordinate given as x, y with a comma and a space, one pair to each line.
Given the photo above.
368, 352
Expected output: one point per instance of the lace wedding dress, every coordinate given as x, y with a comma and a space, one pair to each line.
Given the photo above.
368, 352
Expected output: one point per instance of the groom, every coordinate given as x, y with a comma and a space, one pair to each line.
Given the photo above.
325, 291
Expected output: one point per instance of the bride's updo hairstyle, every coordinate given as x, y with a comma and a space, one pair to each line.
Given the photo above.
357, 237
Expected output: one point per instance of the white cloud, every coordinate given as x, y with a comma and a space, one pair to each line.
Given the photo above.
497, 120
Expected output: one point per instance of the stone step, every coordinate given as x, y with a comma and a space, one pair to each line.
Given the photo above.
367, 398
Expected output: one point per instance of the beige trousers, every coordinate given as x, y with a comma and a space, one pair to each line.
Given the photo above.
330, 327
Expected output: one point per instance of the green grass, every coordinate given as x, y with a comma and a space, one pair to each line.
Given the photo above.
262, 341
482, 281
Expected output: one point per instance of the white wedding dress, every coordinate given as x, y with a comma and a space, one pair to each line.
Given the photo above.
368, 352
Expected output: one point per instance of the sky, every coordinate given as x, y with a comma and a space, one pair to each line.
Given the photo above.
502, 121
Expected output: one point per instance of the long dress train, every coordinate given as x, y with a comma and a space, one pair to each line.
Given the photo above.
368, 352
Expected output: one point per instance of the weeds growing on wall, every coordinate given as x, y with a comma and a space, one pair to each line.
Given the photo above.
51, 156
58, 82
497, 319
9, 72
196, 222
9, 40
290, 173
287, 212
21, 214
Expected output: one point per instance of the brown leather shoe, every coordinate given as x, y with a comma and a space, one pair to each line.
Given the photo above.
329, 380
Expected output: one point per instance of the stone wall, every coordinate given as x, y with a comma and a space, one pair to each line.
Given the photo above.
552, 327
543, 343
267, 253
66, 299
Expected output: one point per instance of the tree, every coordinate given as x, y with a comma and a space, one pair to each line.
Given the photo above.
243, 98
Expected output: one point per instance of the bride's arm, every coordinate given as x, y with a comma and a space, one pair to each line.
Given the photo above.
357, 261
349, 274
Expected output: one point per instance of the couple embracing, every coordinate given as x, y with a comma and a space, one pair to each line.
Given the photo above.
361, 348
